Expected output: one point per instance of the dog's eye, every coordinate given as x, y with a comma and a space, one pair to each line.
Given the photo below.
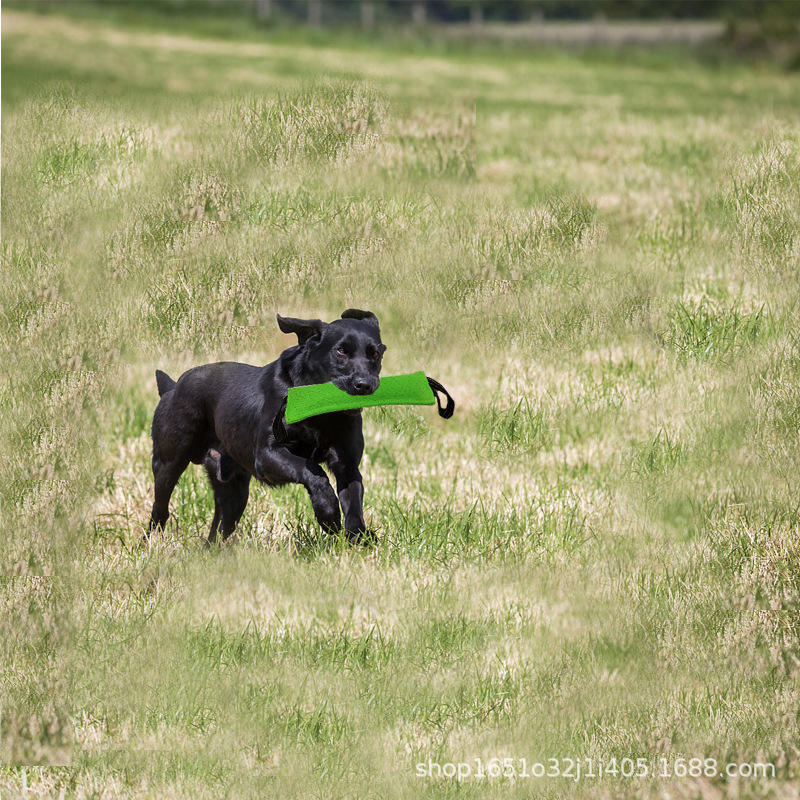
341, 351
376, 355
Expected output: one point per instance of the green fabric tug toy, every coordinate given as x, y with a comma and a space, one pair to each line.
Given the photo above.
323, 398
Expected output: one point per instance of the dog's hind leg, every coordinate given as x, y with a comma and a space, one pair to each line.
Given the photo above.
230, 500
166, 475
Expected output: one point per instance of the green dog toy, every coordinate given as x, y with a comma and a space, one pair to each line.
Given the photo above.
323, 398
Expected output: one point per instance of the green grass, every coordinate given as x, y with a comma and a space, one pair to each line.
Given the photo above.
596, 558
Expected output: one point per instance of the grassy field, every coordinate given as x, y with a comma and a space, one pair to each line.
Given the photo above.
597, 558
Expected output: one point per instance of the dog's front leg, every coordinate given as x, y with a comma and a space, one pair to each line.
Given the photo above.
351, 496
277, 465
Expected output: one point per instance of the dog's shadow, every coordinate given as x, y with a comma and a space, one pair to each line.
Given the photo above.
310, 542
304, 541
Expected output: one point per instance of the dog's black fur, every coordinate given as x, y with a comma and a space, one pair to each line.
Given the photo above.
221, 415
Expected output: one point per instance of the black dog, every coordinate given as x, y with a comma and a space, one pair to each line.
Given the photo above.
224, 416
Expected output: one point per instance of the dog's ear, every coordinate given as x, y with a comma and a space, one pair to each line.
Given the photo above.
357, 313
304, 328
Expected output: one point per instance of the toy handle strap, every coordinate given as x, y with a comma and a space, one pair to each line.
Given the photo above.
445, 411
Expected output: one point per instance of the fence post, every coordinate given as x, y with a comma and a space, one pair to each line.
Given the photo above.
314, 13
263, 9
367, 13
476, 15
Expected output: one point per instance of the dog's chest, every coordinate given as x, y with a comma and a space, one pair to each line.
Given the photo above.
307, 442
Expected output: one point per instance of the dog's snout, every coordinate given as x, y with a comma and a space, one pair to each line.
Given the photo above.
362, 386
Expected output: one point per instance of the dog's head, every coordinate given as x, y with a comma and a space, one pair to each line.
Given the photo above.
347, 351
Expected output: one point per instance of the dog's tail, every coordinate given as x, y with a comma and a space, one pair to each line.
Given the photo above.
164, 382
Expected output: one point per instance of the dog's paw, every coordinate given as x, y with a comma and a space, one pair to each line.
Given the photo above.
365, 538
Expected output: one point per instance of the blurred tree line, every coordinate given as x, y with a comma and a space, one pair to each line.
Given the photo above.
369, 12
754, 30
